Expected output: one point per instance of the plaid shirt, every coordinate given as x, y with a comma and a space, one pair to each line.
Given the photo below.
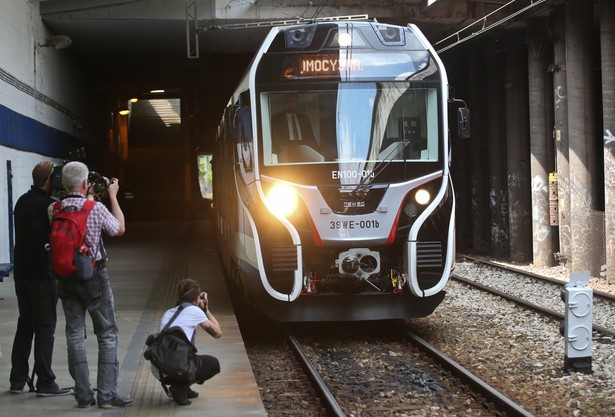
99, 220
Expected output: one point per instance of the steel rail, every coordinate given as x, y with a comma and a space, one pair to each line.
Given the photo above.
532, 274
551, 313
330, 403
499, 400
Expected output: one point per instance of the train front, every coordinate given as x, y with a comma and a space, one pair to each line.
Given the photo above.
352, 209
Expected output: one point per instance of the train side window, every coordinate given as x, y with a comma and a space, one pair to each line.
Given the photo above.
244, 99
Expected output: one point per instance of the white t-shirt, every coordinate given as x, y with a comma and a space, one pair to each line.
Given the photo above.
189, 318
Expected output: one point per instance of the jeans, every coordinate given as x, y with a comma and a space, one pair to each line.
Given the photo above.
37, 302
94, 296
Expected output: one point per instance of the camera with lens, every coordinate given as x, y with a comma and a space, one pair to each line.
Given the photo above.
98, 183
57, 190
56, 181
202, 297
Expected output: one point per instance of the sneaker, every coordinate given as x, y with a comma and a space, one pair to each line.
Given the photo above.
86, 404
116, 402
52, 392
180, 394
192, 393
16, 390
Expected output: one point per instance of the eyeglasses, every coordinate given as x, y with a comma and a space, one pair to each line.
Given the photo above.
53, 168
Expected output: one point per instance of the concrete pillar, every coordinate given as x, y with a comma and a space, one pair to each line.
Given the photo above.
541, 144
461, 156
478, 145
582, 135
560, 133
518, 152
607, 42
498, 197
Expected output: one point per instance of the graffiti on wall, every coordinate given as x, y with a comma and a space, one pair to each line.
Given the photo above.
540, 210
498, 207
609, 195
558, 97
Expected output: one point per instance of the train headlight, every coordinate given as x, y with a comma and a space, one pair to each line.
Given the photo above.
282, 200
422, 197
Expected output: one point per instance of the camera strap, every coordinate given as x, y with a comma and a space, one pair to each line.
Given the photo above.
74, 195
180, 307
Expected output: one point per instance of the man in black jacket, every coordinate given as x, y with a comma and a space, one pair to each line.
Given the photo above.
36, 289
292, 127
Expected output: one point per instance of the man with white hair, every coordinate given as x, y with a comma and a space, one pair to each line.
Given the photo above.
93, 295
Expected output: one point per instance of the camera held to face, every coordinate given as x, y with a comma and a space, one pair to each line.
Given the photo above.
98, 183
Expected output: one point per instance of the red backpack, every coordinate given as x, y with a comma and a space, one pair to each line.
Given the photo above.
70, 253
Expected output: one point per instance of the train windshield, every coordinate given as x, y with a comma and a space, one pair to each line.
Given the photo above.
370, 122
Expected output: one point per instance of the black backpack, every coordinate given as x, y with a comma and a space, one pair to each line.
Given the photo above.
172, 353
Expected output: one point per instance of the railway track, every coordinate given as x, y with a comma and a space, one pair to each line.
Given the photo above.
322, 391
328, 371
405, 384
500, 401
604, 303
358, 368
543, 278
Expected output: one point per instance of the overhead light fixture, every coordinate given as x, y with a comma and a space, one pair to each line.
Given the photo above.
344, 39
57, 42
133, 100
125, 107
156, 91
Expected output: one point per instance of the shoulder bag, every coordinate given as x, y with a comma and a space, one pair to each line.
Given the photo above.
172, 353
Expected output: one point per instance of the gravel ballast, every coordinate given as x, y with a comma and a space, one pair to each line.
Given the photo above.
519, 352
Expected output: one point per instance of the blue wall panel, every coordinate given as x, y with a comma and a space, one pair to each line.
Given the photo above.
24, 133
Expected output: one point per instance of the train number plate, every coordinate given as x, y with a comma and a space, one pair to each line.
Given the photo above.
354, 224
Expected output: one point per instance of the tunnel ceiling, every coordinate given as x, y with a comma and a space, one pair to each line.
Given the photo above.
131, 46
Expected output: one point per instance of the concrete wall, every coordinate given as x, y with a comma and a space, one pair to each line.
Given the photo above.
42, 96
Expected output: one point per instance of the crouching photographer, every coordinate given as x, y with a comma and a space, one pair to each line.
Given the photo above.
190, 312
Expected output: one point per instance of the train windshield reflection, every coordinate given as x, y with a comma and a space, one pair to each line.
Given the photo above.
361, 121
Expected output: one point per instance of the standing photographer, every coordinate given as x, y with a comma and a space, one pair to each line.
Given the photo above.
93, 295
36, 289
197, 314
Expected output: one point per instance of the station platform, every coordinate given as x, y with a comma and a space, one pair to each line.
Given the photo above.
144, 267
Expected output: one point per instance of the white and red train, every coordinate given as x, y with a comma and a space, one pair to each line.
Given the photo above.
353, 219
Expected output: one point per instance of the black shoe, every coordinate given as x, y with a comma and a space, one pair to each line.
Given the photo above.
180, 394
52, 392
16, 390
192, 393
86, 404
116, 402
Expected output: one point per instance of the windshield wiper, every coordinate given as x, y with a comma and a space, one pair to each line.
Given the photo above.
362, 187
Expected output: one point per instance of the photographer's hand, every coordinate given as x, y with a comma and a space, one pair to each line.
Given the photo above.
211, 326
203, 301
91, 195
113, 186
112, 189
